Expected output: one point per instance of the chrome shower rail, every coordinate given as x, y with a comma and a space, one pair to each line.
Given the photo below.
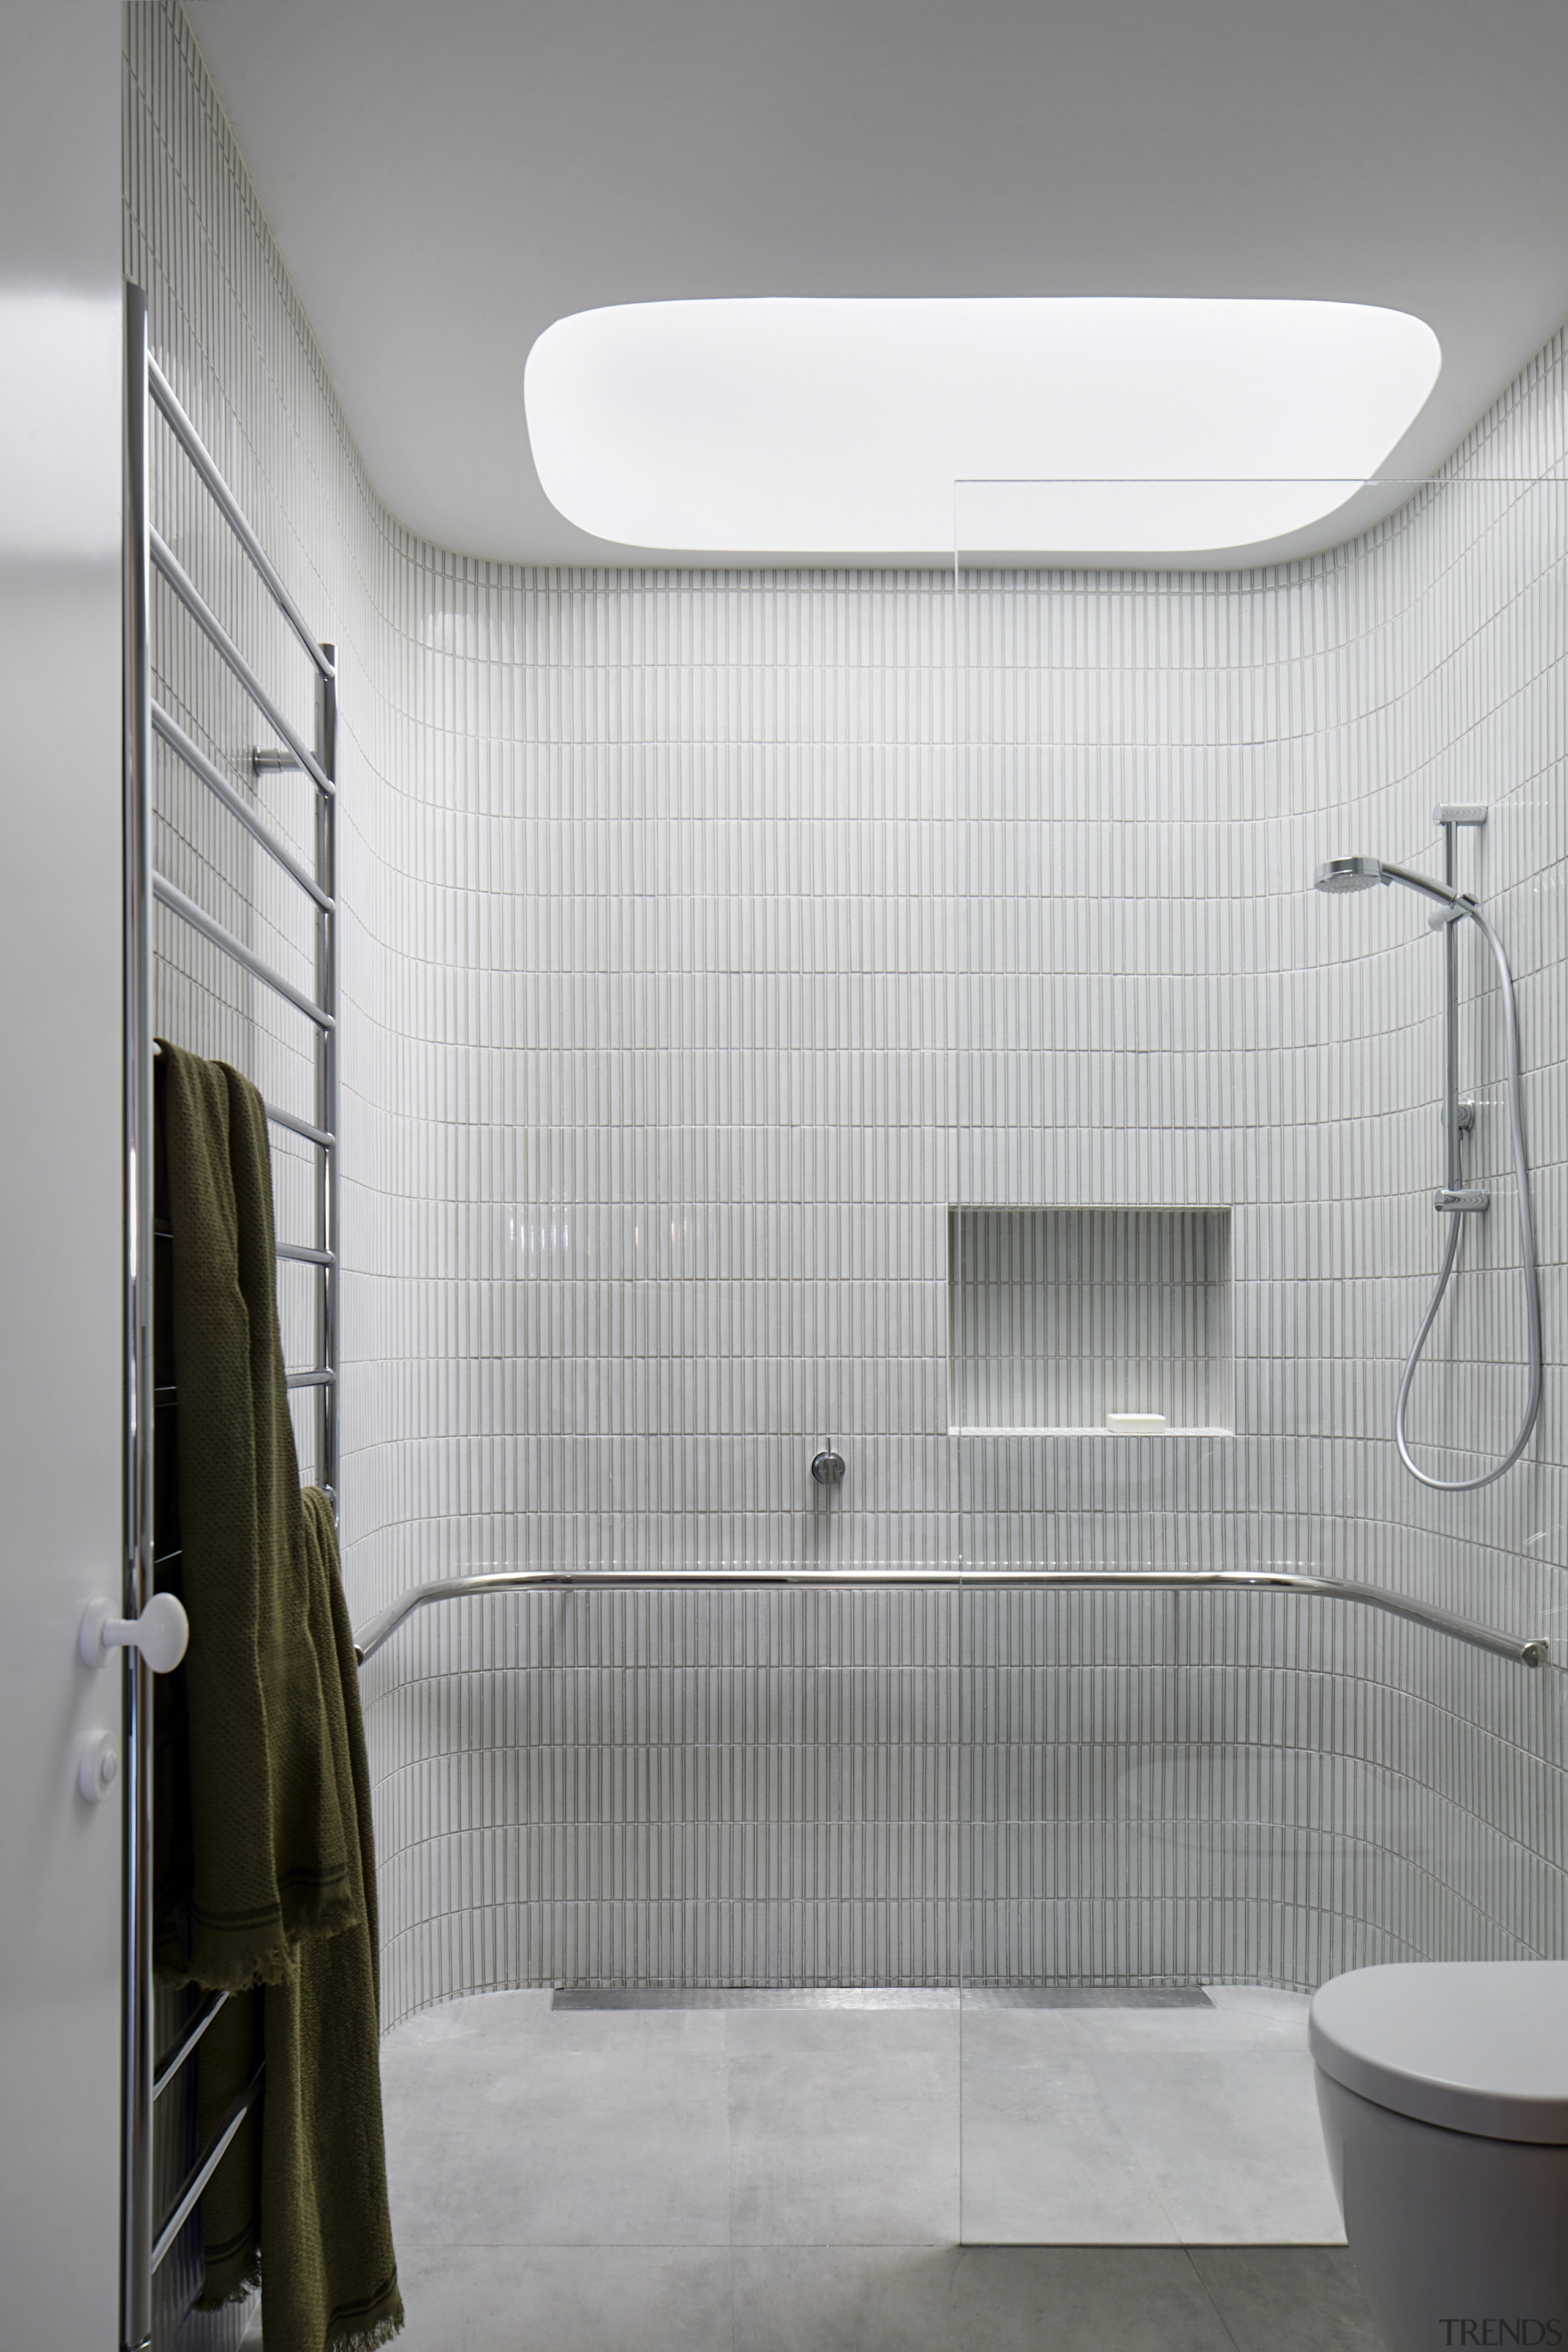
147, 2236
369, 1638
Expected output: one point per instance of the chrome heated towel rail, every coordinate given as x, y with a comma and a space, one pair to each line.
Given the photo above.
148, 2237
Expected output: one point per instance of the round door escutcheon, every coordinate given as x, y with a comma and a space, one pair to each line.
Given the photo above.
99, 1767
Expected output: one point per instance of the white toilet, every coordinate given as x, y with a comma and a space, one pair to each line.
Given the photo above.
1443, 2089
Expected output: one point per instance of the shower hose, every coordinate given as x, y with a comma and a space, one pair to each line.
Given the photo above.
1526, 1245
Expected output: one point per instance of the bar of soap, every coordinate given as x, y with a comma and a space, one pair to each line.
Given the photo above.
1133, 1425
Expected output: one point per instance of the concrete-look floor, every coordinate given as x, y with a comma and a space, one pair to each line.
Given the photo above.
799, 2179
1144, 2127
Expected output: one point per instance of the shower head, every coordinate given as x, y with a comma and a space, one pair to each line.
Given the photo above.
1342, 874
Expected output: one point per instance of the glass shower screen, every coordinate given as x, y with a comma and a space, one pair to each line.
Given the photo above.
1194, 1148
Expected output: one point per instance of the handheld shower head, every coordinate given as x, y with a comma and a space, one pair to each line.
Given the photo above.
1342, 874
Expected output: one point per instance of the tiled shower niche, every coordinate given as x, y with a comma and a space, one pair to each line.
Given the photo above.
1061, 1316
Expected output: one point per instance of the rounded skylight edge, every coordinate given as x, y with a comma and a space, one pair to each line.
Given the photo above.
729, 490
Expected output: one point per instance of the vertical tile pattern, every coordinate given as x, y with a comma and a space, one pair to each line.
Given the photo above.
708, 936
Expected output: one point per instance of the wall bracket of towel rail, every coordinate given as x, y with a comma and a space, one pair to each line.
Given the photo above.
149, 2237
1530, 1652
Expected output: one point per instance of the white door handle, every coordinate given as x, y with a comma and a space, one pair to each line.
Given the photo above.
160, 1634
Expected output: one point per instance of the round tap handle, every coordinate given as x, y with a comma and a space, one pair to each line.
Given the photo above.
160, 1634
827, 1468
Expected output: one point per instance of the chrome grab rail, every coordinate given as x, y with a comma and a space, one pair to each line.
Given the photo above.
372, 1637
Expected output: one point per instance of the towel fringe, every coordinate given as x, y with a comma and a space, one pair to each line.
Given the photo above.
248, 2285
366, 2339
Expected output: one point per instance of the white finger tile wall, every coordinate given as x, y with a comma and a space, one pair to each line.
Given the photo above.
710, 937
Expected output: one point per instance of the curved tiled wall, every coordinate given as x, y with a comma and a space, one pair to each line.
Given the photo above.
708, 936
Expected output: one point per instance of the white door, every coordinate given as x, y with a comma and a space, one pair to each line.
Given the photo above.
61, 1166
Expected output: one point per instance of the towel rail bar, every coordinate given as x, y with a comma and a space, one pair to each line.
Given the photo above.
322, 1376
295, 1252
171, 732
169, 2065
169, 567
205, 2165
190, 440
1530, 1652
320, 1135
168, 895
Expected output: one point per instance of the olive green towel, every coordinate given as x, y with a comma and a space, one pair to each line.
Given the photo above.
267, 1884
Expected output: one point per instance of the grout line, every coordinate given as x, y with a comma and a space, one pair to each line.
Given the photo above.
1210, 2299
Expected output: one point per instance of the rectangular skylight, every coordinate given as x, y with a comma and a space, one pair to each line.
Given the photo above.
782, 425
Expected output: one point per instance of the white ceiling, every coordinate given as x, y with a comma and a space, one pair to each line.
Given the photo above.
445, 177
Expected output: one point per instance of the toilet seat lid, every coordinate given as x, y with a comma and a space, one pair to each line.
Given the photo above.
1469, 2045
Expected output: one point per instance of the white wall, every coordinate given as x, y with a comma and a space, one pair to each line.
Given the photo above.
62, 1175
709, 935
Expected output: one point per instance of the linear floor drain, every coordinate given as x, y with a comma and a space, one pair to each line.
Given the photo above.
756, 1997
1086, 1997
881, 1997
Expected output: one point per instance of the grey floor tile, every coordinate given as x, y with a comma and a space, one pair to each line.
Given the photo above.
1264, 2005
882, 2299
836, 2032
514, 2125
852, 2143
483, 2016
845, 2299
1289, 2299
979, 2299
563, 2147
482, 2029
1044, 2161
1023, 2034
1240, 2019
1231, 2142
646, 2029
1085, 2299
567, 2299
